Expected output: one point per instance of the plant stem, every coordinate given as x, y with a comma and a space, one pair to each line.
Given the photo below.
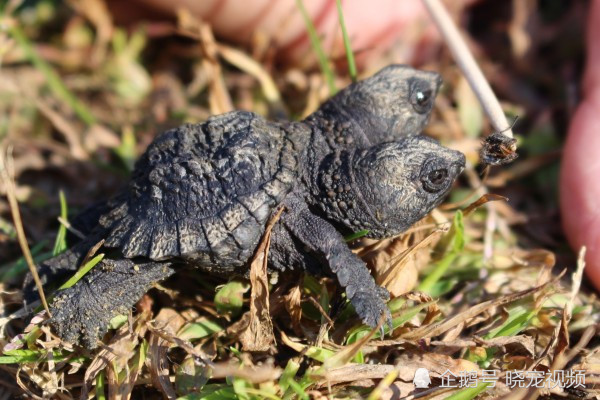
466, 62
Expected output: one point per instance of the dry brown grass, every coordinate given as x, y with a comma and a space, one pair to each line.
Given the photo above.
473, 292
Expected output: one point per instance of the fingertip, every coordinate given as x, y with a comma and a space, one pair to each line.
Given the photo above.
579, 183
591, 78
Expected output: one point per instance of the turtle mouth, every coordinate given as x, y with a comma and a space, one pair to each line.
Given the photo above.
438, 84
458, 166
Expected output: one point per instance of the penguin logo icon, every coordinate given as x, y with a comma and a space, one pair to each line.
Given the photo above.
421, 379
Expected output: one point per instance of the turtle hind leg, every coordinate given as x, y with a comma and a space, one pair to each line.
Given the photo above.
81, 313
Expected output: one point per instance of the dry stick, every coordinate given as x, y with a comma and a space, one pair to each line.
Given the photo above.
6, 170
71, 228
468, 65
577, 278
483, 91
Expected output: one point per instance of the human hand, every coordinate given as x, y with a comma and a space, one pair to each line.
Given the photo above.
580, 173
400, 27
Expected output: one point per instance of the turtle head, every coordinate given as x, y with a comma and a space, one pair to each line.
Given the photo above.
388, 187
395, 102
399, 183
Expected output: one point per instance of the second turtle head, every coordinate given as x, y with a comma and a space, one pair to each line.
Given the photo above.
395, 102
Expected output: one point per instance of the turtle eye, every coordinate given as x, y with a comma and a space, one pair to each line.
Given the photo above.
435, 180
421, 100
438, 176
421, 96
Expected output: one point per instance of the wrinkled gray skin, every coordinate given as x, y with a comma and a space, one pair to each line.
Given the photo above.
392, 104
202, 194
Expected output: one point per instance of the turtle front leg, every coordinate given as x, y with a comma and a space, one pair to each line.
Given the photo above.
327, 243
81, 313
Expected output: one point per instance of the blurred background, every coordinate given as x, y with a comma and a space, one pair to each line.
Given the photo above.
85, 85
121, 72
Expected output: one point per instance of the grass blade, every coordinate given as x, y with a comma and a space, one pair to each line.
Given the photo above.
519, 319
100, 386
28, 356
199, 330
60, 244
457, 235
318, 48
347, 44
82, 271
356, 235
288, 375
468, 393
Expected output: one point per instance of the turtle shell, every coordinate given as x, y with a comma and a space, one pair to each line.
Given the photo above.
206, 191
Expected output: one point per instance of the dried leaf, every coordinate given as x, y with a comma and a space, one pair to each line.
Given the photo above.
169, 322
100, 136
355, 372
436, 364
516, 343
123, 337
407, 365
219, 99
252, 374
64, 126
247, 64
433, 310
293, 301
348, 352
259, 334
443, 326
396, 262
126, 388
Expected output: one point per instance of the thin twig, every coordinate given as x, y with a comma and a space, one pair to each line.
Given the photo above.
320, 309
6, 172
577, 277
468, 65
71, 228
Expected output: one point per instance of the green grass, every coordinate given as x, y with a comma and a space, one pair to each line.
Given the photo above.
455, 279
60, 243
315, 41
99, 391
347, 44
469, 393
82, 271
356, 235
457, 236
29, 356
199, 329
